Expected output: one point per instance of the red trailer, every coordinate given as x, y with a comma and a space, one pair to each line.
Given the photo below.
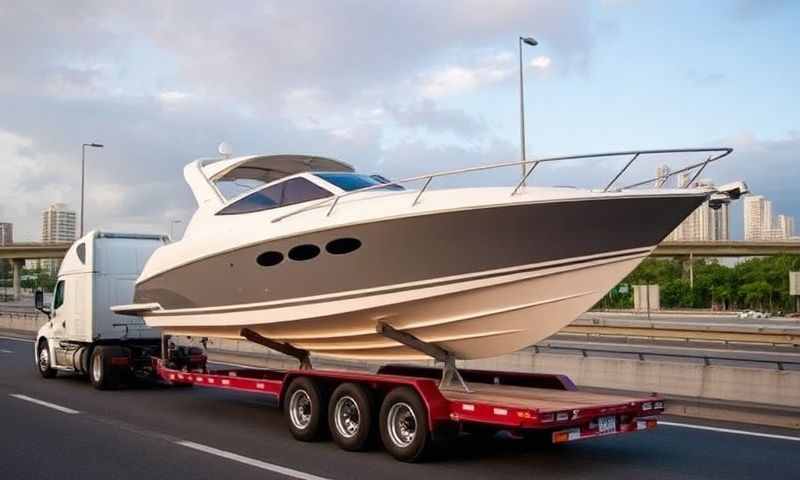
410, 410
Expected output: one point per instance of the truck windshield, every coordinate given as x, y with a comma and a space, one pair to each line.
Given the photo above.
356, 181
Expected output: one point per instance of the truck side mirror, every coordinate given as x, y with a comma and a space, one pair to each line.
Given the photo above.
38, 300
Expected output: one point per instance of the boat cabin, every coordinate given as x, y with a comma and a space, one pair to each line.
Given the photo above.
257, 183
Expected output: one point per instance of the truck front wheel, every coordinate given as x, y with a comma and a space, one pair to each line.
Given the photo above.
101, 372
44, 363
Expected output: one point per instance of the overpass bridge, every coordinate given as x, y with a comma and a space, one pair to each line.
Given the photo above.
729, 248
19, 252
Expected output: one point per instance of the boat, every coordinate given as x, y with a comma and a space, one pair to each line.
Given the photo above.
304, 251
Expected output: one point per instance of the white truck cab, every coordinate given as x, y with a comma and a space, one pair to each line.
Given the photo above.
98, 271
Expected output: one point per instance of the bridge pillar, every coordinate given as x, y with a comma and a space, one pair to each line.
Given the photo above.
18, 264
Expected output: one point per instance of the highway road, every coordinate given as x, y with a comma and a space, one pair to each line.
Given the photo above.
62, 428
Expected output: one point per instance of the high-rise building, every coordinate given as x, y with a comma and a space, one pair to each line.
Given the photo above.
6, 233
754, 214
58, 225
705, 223
759, 224
662, 177
721, 223
786, 226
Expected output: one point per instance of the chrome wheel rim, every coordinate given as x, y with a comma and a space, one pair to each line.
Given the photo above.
402, 424
347, 416
44, 359
97, 368
300, 409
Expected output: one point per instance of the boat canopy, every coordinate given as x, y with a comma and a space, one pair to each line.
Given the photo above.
206, 176
268, 168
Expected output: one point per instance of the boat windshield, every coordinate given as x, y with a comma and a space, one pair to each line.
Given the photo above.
289, 192
356, 181
231, 189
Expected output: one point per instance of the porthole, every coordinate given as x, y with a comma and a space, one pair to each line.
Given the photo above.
269, 259
304, 252
341, 246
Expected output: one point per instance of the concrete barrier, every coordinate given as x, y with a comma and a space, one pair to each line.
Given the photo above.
26, 322
714, 382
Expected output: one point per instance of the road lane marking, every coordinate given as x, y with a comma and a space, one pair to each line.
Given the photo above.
251, 461
17, 339
2, 350
43, 403
729, 430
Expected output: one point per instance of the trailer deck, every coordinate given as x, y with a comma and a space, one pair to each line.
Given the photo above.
513, 401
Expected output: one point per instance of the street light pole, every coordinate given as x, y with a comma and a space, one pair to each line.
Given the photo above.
532, 42
83, 175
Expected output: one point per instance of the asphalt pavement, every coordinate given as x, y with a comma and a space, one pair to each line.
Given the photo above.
63, 428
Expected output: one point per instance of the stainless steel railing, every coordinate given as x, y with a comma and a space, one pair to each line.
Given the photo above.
714, 154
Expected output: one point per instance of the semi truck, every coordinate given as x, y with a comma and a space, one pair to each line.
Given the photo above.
412, 409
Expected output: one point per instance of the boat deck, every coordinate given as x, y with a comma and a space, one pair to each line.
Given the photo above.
542, 399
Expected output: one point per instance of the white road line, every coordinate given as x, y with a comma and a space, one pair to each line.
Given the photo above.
2, 350
728, 430
17, 339
251, 461
44, 404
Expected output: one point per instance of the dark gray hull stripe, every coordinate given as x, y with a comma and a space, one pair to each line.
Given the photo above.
567, 263
425, 248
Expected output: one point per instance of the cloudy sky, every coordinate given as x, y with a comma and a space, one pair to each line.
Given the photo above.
398, 87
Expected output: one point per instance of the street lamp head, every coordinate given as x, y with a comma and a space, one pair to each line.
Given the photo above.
529, 40
95, 145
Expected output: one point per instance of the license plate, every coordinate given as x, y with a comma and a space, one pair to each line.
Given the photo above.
607, 424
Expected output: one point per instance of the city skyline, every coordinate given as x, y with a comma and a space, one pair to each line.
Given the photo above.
713, 224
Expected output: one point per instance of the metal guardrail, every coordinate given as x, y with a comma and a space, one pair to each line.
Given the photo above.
714, 155
686, 334
707, 359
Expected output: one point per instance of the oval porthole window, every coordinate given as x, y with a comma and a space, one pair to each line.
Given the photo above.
304, 252
342, 246
269, 259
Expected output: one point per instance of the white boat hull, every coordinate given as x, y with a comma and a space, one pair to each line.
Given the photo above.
471, 316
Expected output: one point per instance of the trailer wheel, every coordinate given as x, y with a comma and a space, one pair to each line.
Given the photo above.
350, 413
404, 425
44, 363
101, 372
304, 409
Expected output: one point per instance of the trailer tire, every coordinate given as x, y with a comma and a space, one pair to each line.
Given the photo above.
45, 363
102, 373
350, 417
304, 409
404, 426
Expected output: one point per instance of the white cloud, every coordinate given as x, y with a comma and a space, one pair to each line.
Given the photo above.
161, 83
173, 97
456, 80
541, 62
